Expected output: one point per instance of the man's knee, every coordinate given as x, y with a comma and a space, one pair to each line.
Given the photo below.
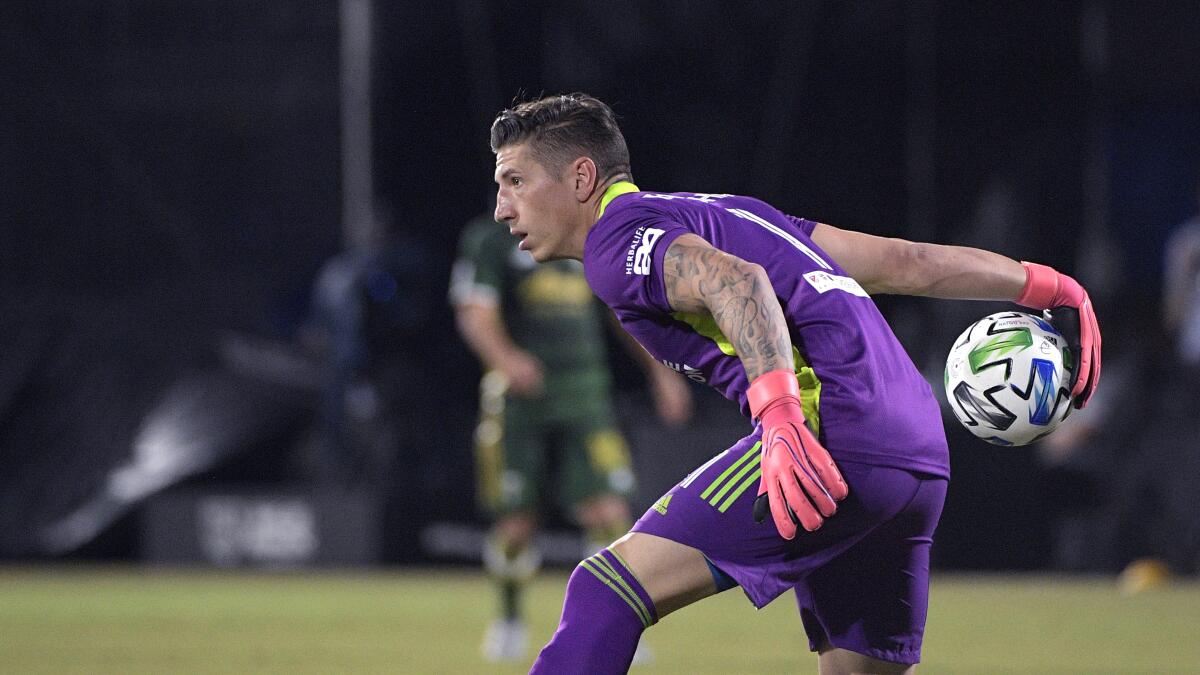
508, 554
612, 571
673, 574
604, 512
604, 614
604, 519
515, 530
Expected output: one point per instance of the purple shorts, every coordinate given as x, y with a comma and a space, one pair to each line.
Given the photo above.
861, 580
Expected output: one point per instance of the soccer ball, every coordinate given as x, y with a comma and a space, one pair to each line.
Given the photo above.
1008, 378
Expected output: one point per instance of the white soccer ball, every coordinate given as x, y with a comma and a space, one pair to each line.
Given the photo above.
1008, 378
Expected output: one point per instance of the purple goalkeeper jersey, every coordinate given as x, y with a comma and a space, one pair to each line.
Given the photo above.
859, 390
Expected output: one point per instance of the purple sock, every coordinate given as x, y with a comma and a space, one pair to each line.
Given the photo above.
604, 614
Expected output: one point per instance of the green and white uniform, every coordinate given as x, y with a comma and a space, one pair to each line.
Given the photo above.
550, 312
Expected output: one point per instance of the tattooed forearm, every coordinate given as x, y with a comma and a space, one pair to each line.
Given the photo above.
738, 295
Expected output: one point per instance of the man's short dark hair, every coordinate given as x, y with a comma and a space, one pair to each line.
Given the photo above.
562, 128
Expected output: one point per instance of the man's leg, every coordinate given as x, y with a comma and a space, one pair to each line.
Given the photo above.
675, 575
509, 459
837, 661
511, 561
864, 611
615, 595
597, 478
605, 518
509, 557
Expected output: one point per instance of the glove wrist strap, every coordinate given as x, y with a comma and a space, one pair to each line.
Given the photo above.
1041, 286
771, 389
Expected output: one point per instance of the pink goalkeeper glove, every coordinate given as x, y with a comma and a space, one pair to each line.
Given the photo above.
794, 463
1046, 288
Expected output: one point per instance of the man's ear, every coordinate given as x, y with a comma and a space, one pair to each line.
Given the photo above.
585, 177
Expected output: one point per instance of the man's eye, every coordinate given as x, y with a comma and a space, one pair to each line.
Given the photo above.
516, 181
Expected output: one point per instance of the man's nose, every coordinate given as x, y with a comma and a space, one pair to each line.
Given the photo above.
504, 212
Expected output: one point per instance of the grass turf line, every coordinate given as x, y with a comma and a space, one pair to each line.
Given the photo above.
128, 620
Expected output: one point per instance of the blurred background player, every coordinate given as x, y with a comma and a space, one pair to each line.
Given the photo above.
546, 432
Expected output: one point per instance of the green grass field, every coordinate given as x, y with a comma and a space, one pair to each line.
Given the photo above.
122, 620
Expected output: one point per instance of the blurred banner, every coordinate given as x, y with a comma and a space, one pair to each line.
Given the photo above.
255, 527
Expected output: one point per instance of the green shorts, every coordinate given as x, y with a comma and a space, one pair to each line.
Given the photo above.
529, 456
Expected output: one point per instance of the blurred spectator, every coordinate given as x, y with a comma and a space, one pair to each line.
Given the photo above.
1123, 471
1181, 290
1163, 479
369, 317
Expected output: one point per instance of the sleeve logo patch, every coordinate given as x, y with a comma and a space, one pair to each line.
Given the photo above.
637, 260
825, 282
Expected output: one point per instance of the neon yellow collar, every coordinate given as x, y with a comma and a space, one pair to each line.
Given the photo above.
616, 190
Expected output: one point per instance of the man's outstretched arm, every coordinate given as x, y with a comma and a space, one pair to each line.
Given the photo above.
800, 484
886, 265
897, 266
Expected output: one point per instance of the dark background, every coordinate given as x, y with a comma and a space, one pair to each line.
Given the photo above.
173, 190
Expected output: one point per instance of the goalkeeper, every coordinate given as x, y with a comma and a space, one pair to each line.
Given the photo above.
774, 312
545, 405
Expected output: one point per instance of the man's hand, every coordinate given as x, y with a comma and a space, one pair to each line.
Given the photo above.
672, 398
524, 372
1072, 310
800, 483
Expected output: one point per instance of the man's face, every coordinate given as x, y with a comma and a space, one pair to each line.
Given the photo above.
536, 206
